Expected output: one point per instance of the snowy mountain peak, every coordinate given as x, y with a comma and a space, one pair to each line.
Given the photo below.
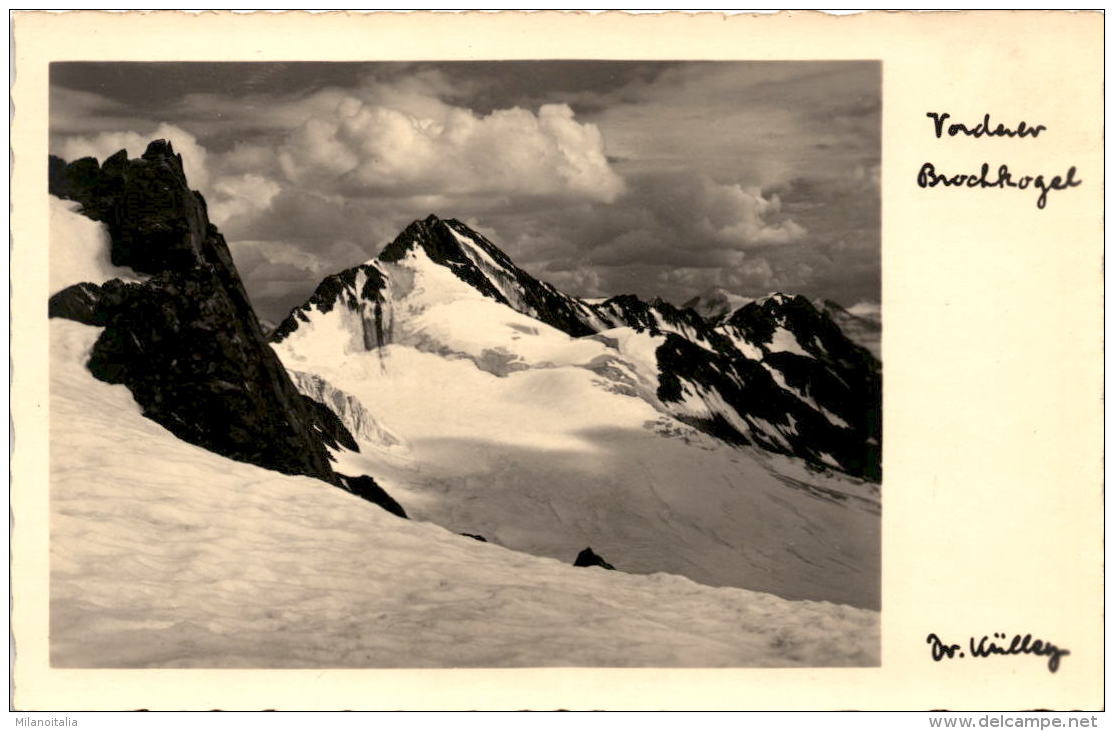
447, 242
431, 233
354, 290
789, 323
452, 248
778, 298
775, 372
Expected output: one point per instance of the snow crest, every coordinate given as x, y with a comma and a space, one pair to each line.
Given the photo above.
80, 249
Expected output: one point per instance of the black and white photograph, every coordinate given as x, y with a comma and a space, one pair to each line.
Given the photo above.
465, 364
558, 361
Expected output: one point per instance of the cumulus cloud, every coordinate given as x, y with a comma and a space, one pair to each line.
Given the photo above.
659, 179
682, 219
347, 179
672, 234
366, 148
732, 215
106, 144
277, 274
241, 196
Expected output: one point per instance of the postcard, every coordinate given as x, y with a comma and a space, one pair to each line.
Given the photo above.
557, 361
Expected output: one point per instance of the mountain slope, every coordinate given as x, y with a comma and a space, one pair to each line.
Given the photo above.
166, 555
546, 443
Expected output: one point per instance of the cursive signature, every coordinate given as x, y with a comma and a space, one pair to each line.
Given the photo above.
996, 644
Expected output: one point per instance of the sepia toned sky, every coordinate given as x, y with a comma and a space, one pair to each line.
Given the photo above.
659, 179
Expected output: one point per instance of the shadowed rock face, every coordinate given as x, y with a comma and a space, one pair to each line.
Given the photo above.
77, 302
186, 341
841, 377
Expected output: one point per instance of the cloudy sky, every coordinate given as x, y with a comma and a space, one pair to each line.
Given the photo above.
660, 179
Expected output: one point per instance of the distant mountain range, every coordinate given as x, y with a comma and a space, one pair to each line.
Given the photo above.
717, 303
862, 322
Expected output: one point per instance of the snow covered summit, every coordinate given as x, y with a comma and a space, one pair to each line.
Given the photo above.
775, 372
545, 423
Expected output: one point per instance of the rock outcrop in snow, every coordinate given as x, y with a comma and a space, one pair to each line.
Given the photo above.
588, 557
184, 338
367, 488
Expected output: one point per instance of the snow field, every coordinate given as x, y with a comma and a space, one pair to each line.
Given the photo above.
166, 555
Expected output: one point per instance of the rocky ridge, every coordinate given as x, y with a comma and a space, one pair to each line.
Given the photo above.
186, 340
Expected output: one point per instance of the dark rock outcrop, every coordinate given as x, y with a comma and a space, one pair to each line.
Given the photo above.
186, 341
76, 302
588, 557
474, 536
367, 488
329, 426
